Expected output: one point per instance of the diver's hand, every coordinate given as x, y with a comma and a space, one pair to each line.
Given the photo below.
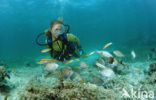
81, 51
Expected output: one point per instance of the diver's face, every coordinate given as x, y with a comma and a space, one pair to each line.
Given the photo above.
57, 29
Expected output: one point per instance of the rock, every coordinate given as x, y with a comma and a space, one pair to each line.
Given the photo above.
70, 91
152, 68
3, 74
153, 50
2, 63
152, 54
3, 82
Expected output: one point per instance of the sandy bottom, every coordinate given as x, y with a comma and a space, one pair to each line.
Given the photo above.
24, 70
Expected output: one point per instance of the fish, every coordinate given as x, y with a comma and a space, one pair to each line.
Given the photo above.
48, 59
104, 54
51, 67
83, 65
42, 62
68, 62
82, 80
13, 70
136, 68
77, 59
133, 54
45, 50
110, 60
98, 81
77, 67
90, 53
67, 72
106, 45
100, 65
107, 72
100, 60
118, 53
76, 77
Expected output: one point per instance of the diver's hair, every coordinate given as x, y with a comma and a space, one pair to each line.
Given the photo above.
48, 33
56, 22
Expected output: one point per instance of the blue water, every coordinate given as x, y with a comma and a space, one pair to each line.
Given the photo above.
128, 24
94, 22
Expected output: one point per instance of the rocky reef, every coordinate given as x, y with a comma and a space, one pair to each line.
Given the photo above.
152, 68
152, 54
3, 81
66, 90
149, 82
56, 87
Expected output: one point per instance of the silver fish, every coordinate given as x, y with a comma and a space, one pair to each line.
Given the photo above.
67, 72
51, 67
133, 54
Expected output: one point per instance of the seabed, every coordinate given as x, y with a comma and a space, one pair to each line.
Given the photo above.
26, 80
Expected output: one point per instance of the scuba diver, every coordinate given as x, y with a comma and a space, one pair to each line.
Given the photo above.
63, 44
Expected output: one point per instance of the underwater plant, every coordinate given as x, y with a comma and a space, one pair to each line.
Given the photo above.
70, 91
37, 89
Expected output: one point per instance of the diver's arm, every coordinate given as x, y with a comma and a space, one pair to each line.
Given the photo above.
73, 38
46, 32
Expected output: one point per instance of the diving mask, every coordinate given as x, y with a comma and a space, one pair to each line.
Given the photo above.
58, 29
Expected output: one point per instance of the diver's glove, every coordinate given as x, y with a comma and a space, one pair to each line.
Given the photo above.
81, 51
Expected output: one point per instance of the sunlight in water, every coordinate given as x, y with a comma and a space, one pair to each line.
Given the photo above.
63, 4
63, 1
